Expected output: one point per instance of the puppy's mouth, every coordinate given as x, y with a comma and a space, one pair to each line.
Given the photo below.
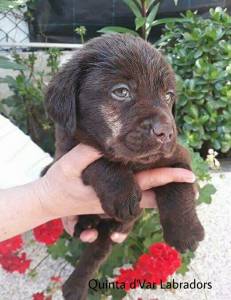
160, 151
146, 153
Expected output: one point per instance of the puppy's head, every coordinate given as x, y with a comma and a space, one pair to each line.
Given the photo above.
119, 91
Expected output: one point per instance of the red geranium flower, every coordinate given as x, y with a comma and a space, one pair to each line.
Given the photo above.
126, 277
154, 266
38, 296
11, 245
167, 255
49, 232
41, 296
15, 263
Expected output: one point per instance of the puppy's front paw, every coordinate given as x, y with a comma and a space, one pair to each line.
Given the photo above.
123, 206
184, 235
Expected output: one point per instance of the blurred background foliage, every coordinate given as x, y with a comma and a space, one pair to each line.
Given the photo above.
200, 52
25, 106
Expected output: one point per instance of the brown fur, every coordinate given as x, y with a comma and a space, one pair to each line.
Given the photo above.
135, 133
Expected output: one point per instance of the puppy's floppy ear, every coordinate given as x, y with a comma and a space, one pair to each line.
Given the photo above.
62, 94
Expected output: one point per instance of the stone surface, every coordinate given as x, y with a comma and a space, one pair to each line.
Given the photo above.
213, 257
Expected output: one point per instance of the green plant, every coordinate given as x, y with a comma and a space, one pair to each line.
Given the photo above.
200, 52
25, 106
6, 63
145, 12
81, 30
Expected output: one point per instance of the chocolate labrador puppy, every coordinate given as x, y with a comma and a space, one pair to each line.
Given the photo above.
117, 94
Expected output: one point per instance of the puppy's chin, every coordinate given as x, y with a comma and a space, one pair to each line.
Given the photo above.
117, 151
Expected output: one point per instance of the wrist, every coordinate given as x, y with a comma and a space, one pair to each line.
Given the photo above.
42, 193
22, 209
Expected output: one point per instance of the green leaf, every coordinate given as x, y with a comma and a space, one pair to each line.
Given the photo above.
10, 101
168, 20
76, 247
6, 63
10, 80
157, 237
185, 261
206, 193
193, 110
95, 296
139, 22
117, 294
133, 7
216, 143
199, 165
188, 119
59, 249
152, 14
225, 146
198, 53
117, 29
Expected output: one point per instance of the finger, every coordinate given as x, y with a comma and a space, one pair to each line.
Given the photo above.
89, 235
118, 237
76, 160
69, 224
161, 176
148, 200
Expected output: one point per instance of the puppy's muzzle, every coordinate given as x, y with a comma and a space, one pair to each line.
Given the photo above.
161, 132
152, 135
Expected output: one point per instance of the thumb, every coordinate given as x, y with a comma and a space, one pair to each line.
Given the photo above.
76, 160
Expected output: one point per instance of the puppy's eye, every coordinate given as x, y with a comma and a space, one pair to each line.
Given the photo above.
121, 92
169, 97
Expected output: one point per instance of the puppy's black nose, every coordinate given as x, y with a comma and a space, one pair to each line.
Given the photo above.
163, 132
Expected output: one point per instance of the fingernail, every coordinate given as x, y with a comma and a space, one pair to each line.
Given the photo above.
118, 237
190, 178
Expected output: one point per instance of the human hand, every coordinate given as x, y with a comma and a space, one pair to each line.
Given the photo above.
63, 192
67, 195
